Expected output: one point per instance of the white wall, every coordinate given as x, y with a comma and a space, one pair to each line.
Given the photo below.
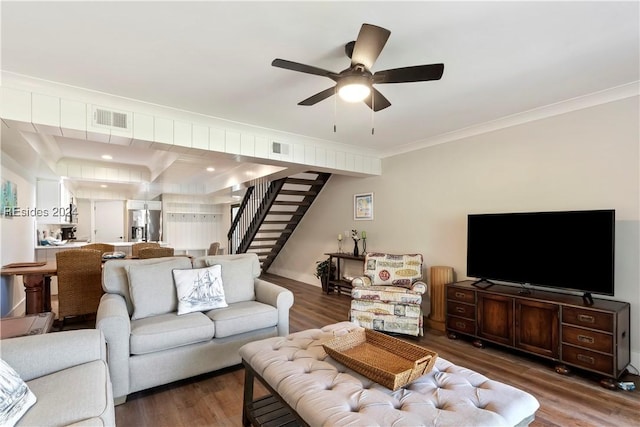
586, 159
18, 239
192, 223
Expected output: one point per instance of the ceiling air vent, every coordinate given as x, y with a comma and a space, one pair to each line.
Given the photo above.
110, 118
279, 148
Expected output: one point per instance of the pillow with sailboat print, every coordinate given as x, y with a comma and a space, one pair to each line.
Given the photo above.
199, 289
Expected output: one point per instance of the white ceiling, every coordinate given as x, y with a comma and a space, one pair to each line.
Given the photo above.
501, 58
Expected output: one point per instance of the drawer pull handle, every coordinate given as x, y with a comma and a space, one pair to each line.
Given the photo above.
586, 359
460, 294
586, 319
460, 310
462, 325
585, 338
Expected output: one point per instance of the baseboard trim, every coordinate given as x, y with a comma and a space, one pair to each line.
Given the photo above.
434, 324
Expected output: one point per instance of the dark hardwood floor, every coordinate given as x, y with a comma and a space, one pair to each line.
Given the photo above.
216, 399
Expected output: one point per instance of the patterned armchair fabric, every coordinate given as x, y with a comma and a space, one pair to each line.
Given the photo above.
389, 296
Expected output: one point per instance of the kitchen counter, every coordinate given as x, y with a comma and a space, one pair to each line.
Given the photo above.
48, 252
71, 245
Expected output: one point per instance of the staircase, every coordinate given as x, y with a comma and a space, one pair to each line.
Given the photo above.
270, 212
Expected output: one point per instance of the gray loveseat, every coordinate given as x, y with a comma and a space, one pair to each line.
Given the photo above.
68, 374
149, 344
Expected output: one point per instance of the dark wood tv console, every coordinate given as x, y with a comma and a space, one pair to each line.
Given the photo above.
556, 326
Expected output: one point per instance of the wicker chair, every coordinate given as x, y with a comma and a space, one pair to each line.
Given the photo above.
214, 248
102, 247
154, 252
79, 282
135, 248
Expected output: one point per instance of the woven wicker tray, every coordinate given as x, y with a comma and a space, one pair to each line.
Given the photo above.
388, 361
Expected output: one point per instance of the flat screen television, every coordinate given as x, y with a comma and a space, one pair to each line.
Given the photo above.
568, 250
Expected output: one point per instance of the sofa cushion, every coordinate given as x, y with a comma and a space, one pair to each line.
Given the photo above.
152, 290
199, 289
166, 331
115, 279
395, 270
243, 317
237, 278
17, 398
386, 294
381, 307
70, 396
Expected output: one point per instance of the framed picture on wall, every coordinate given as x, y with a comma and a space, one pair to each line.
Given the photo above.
363, 206
9, 198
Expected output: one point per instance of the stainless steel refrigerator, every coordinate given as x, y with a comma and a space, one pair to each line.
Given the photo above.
145, 225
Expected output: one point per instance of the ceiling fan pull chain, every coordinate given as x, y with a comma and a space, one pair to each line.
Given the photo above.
335, 108
373, 106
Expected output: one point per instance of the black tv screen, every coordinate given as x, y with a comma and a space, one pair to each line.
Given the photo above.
572, 250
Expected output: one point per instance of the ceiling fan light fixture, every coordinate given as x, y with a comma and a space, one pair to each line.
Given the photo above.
354, 89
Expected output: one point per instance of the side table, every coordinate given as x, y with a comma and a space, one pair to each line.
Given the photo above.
338, 283
31, 324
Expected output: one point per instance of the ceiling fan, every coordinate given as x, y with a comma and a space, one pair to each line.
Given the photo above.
355, 83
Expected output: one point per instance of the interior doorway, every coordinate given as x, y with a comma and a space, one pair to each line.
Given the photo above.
108, 221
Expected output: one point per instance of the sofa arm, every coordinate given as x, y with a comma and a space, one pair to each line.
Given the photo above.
35, 356
279, 297
113, 320
420, 287
361, 281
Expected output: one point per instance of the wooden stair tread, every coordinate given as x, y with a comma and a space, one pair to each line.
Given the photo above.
298, 192
303, 181
291, 203
292, 213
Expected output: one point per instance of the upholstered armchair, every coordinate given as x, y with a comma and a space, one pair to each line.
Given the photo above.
389, 295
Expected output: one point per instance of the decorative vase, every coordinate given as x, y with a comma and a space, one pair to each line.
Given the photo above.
364, 246
356, 251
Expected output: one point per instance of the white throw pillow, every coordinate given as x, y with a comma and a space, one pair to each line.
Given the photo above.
151, 289
16, 396
199, 289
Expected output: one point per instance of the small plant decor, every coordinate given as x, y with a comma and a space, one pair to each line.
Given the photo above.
324, 270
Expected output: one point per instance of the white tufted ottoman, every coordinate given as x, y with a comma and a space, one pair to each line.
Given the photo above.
318, 391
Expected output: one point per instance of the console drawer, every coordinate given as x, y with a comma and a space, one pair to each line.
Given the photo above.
455, 308
587, 339
588, 318
459, 324
587, 359
463, 295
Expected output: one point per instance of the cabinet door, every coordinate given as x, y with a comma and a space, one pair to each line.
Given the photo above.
495, 318
48, 201
537, 327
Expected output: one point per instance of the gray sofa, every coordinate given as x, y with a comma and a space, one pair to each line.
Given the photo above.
67, 372
150, 344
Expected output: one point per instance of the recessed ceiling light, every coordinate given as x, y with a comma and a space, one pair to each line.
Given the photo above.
106, 157
103, 185
210, 169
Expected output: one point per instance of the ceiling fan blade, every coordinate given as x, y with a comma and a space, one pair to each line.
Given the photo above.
379, 101
303, 68
369, 44
418, 73
320, 96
